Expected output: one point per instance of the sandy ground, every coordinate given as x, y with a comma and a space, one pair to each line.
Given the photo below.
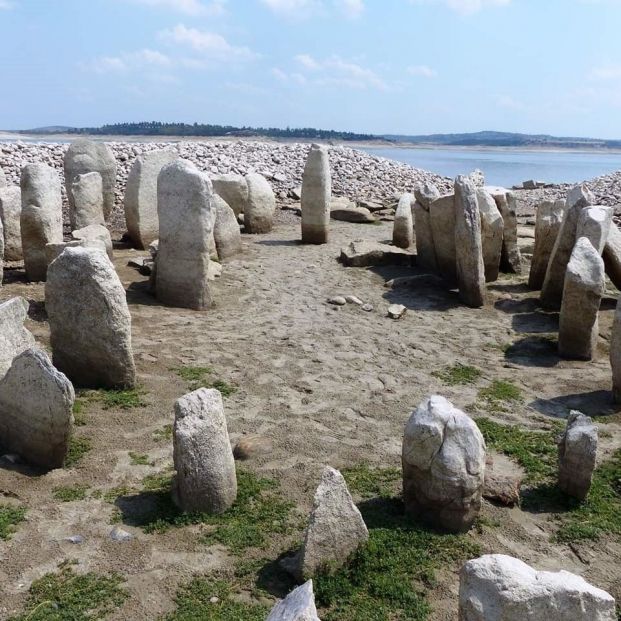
326, 385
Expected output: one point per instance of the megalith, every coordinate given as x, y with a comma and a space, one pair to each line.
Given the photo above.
10, 214
316, 195
594, 224
425, 194
403, 226
226, 233
547, 225
261, 205
87, 203
233, 189
612, 254
442, 218
615, 353
14, 337
577, 451
95, 235
511, 258
492, 227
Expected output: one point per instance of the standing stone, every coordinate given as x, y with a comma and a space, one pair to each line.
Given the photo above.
90, 324
233, 189
87, 194
547, 226
496, 587
85, 156
10, 214
615, 353
299, 605
594, 224
577, 450
186, 213
469, 249
612, 254
41, 219
226, 233
552, 289
316, 194
95, 235
1, 252
425, 252
511, 258
14, 337
205, 481
261, 205
492, 227
140, 201
442, 218
403, 226
53, 251
335, 529
443, 466
36, 410
3, 182
582, 295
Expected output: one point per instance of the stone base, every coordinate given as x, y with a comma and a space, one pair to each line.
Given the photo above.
313, 234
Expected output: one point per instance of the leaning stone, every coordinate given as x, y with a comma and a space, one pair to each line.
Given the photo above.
443, 466
233, 189
551, 295
316, 193
14, 337
205, 480
615, 353
186, 215
547, 226
511, 258
85, 156
299, 605
41, 219
469, 249
95, 235
492, 227
10, 213
357, 215
90, 324
577, 450
612, 254
261, 205
367, 253
594, 224
403, 227
140, 201
442, 218
227, 235
496, 587
36, 410
335, 529
87, 194
582, 294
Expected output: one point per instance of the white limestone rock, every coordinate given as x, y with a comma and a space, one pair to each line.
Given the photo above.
261, 205
36, 410
316, 195
577, 452
299, 605
492, 227
496, 587
403, 225
442, 218
205, 480
95, 236
10, 213
547, 226
443, 462
233, 189
14, 337
227, 235
594, 224
90, 324
87, 203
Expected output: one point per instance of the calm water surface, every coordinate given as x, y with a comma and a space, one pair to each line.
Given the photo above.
507, 167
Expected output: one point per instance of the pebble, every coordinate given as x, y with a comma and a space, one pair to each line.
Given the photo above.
396, 311
118, 534
367, 308
74, 539
352, 299
337, 300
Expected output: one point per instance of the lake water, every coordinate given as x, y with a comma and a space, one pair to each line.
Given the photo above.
507, 167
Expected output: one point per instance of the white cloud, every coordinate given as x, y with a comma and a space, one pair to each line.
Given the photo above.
465, 7
307, 61
337, 71
422, 71
302, 9
189, 7
350, 8
290, 7
279, 74
606, 72
128, 61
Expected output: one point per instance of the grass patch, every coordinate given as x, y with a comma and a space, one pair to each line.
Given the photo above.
499, 393
193, 603
368, 482
122, 399
138, 459
67, 596
225, 388
10, 517
163, 434
193, 374
199, 377
78, 447
79, 412
458, 374
70, 493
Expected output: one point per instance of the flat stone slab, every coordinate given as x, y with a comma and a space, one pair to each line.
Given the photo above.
360, 215
367, 253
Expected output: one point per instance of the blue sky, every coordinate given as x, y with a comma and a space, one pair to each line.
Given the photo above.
379, 66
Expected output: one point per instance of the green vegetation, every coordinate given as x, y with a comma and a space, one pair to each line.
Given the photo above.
499, 393
69, 493
79, 413
193, 374
226, 389
10, 517
67, 596
78, 447
123, 399
458, 374
369, 482
163, 434
138, 459
198, 377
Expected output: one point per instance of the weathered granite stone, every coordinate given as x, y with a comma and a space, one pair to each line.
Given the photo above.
53, 251
227, 235
582, 294
3, 182
492, 227
615, 353
362, 253
1, 252
425, 251
511, 258
425, 194
95, 235
90, 324
36, 410
547, 226
10, 213
87, 203
577, 450
442, 217
14, 337
186, 215
205, 481
594, 224
85, 156
612, 254
468, 246
403, 226
351, 213
443, 466
496, 587
299, 605
41, 218
261, 205
233, 189
141, 196
316, 194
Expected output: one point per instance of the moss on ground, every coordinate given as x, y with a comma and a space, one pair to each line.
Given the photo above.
10, 517
499, 394
69, 493
458, 374
78, 448
200, 377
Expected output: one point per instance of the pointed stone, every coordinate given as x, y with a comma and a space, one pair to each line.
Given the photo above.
492, 227
10, 213
594, 224
299, 605
577, 451
547, 225
14, 337
227, 236
316, 194
511, 258
87, 194
403, 226
442, 218
233, 189
261, 205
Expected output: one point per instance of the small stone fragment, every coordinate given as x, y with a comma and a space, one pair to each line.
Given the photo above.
95, 236
396, 311
299, 605
352, 299
119, 534
337, 300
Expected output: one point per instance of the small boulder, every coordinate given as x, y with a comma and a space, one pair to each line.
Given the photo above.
95, 236
226, 233
358, 215
261, 205
233, 189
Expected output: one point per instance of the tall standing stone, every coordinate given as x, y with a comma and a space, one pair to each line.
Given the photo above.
582, 295
205, 481
14, 337
615, 353
233, 189
10, 214
443, 465
87, 194
316, 195
577, 451
140, 201
403, 226
594, 224
261, 205
85, 156
552, 289
90, 324
41, 218
469, 249
511, 258
36, 410
3, 182
492, 227
425, 251
1, 253
226, 233
186, 215
442, 218
612, 254
547, 226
